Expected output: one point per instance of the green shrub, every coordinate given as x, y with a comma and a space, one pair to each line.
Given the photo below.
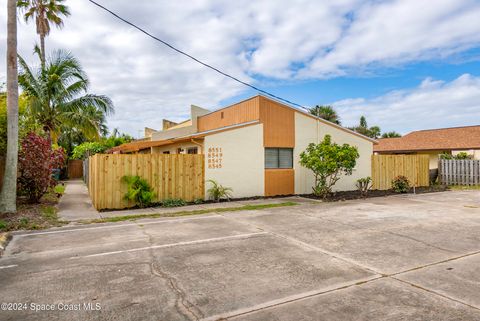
173, 202
139, 191
198, 201
400, 184
3, 225
328, 161
218, 192
463, 155
364, 185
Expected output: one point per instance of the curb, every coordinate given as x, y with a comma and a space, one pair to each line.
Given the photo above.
4, 239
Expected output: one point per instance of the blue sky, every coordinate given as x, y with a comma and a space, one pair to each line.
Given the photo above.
404, 64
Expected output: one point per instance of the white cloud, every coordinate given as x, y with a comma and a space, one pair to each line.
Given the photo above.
276, 39
433, 104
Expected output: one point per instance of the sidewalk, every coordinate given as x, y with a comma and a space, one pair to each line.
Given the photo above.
75, 205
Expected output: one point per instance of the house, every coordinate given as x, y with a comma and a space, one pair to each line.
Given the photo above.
434, 142
254, 146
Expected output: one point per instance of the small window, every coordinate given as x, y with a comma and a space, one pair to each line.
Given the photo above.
192, 150
166, 152
179, 150
278, 158
221, 115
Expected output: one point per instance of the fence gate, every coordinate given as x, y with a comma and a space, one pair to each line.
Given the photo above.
459, 171
75, 168
387, 167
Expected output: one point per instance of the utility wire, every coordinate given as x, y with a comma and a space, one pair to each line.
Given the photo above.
193, 58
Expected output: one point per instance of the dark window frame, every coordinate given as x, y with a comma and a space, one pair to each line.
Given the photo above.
278, 158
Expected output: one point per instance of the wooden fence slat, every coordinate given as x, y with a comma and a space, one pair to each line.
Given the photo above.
386, 167
459, 171
171, 176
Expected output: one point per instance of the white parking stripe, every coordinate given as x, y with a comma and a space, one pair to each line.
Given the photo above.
239, 236
8, 266
117, 226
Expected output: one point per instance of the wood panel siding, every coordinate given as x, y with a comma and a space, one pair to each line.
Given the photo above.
242, 112
279, 182
170, 176
75, 169
278, 124
386, 167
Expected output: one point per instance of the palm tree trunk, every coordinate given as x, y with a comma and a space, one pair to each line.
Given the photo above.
42, 50
8, 195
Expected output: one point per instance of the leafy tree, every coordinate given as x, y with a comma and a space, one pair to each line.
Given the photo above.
392, 134
45, 12
91, 148
362, 128
58, 97
37, 161
325, 112
8, 190
328, 161
26, 123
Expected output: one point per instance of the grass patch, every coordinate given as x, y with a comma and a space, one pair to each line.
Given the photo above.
194, 212
59, 189
464, 187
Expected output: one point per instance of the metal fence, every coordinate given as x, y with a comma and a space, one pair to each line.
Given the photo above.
459, 171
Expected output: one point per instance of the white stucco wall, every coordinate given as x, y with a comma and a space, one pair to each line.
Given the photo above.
242, 160
309, 130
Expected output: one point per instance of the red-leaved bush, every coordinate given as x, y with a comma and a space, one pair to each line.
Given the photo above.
36, 161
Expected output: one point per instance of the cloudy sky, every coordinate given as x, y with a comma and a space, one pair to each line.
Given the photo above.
405, 65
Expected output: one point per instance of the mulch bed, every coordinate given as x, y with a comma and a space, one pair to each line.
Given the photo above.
353, 195
32, 216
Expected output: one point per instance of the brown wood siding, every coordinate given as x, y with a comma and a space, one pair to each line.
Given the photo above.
75, 169
242, 112
278, 124
279, 182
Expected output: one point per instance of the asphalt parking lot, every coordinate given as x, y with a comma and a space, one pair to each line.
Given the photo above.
413, 257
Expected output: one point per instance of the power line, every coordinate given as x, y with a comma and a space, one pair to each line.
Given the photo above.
193, 58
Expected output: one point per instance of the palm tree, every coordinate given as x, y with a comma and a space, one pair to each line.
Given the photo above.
44, 12
325, 112
9, 190
58, 97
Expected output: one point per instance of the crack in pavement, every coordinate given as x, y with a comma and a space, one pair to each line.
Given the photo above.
183, 306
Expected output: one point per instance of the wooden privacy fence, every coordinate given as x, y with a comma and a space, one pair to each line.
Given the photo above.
75, 168
170, 176
459, 171
387, 167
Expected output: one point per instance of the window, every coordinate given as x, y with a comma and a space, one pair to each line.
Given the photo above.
278, 158
221, 115
192, 150
179, 150
166, 152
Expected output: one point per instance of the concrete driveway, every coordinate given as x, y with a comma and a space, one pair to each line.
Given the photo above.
414, 257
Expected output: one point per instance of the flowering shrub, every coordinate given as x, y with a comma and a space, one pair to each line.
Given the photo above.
36, 161
400, 184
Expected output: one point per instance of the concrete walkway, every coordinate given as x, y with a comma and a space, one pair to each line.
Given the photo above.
76, 205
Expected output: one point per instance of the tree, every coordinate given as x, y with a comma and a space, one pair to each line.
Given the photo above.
8, 196
328, 161
45, 12
362, 128
325, 112
392, 134
58, 97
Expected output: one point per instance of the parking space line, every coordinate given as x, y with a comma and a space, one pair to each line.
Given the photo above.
8, 266
232, 237
116, 226
289, 299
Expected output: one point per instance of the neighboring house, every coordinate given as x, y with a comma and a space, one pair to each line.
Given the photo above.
254, 146
434, 142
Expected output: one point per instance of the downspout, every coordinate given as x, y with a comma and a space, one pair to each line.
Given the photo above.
198, 144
